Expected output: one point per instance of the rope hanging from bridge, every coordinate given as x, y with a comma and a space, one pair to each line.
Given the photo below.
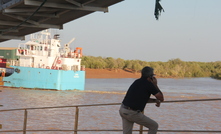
158, 9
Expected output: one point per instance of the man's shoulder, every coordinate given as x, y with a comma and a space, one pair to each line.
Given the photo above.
138, 80
141, 83
142, 80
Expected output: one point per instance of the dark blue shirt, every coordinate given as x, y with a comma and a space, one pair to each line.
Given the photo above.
139, 93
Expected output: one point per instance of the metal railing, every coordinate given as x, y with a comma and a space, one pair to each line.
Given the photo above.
76, 130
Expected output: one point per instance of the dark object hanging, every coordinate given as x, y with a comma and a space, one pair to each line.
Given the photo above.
158, 9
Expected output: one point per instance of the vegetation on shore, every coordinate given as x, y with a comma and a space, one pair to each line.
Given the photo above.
172, 68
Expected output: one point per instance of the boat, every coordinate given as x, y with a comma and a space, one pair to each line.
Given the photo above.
44, 64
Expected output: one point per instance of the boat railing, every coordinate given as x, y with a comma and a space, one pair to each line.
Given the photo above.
76, 121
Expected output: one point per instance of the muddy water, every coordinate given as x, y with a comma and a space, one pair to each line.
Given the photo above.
170, 116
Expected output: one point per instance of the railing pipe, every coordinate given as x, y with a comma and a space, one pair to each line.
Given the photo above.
172, 101
112, 130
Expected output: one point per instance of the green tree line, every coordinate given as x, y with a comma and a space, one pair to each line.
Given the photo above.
171, 68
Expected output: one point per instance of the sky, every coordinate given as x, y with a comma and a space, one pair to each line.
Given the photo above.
188, 29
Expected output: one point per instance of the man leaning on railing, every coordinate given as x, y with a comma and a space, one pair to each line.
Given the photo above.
135, 101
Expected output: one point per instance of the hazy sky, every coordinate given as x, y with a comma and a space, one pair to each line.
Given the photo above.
188, 29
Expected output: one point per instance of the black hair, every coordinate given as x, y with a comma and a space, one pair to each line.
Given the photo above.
147, 72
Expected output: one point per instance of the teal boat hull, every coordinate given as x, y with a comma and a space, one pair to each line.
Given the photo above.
41, 78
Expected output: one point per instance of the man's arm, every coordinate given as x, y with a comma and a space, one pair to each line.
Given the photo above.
159, 96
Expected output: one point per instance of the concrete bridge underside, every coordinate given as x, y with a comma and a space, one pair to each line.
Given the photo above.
22, 17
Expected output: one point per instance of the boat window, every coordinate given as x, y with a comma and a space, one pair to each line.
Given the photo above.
33, 47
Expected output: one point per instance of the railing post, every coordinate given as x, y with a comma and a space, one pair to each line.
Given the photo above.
141, 126
76, 121
25, 121
1, 90
141, 129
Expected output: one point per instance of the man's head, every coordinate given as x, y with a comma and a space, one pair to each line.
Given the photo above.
147, 72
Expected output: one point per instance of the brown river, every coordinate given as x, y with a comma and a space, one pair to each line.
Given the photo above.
196, 115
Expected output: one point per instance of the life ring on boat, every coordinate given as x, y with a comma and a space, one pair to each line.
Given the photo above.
59, 61
47, 67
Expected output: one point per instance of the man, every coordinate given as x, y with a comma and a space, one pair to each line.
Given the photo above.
135, 101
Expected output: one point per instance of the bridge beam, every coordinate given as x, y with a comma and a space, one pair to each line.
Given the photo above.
24, 10
75, 3
8, 37
65, 6
29, 12
10, 23
9, 3
22, 17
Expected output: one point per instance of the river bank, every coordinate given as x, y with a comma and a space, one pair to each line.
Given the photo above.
107, 73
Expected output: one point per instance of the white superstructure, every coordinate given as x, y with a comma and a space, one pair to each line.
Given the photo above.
42, 51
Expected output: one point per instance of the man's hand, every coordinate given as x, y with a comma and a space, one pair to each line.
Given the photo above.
157, 103
151, 100
152, 80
